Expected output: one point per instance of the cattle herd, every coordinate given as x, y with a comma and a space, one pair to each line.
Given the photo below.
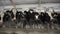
30, 18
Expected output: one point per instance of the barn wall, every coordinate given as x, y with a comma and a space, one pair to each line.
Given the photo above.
32, 5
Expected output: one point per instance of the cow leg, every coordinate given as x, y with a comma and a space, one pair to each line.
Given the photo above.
30, 23
24, 24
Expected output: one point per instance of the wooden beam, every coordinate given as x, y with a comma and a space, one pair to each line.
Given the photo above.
13, 4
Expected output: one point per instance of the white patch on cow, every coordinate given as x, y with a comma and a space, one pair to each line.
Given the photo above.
49, 13
31, 11
36, 16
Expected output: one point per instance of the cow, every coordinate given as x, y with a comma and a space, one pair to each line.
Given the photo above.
18, 16
44, 18
47, 19
7, 19
36, 20
54, 20
29, 18
26, 19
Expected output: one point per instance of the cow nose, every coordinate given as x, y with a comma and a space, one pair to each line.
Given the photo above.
13, 19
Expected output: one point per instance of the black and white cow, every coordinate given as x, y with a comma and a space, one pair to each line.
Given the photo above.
18, 16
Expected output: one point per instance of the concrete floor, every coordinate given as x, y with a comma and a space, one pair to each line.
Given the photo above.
30, 31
